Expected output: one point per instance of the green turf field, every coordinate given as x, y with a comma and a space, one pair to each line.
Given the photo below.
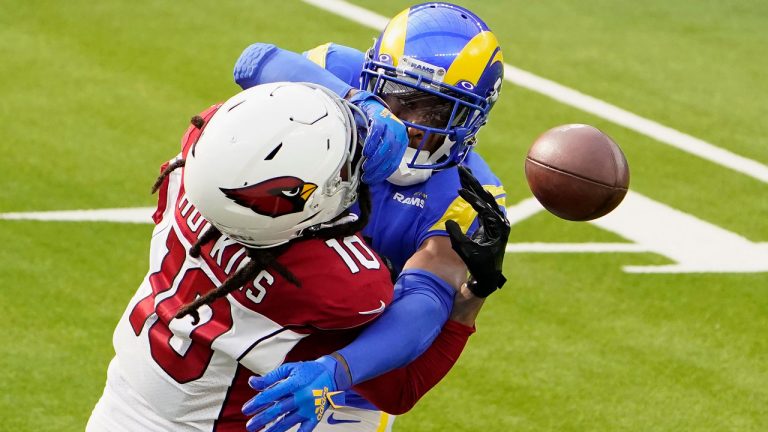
95, 95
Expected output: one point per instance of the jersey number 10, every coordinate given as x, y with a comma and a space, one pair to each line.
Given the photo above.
359, 250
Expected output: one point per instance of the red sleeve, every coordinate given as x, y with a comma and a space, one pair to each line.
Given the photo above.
397, 391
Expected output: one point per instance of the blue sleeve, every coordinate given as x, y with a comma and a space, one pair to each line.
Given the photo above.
343, 62
405, 330
263, 63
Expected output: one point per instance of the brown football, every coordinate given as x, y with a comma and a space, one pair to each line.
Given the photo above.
577, 172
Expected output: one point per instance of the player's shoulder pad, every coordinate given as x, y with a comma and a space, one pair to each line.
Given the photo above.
443, 201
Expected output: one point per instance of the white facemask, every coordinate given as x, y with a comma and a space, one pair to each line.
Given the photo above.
405, 176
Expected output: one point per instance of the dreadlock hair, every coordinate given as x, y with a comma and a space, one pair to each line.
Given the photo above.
261, 259
210, 234
196, 121
177, 163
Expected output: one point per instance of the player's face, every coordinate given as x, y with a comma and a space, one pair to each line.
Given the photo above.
421, 108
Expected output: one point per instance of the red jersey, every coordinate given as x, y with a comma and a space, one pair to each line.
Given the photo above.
170, 374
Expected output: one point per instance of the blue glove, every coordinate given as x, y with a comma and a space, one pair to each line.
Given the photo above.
301, 392
386, 140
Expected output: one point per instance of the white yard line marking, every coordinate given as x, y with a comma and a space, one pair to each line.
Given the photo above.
523, 210
582, 101
125, 215
352, 12
695, 245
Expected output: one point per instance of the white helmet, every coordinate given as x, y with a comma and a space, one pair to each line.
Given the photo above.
274, 160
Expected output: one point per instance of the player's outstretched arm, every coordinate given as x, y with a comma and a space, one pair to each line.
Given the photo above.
263, 63
405, 330
399, 390
386, 138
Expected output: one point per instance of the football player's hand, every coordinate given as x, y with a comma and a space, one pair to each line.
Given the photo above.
483, 253
386, 140
298, 392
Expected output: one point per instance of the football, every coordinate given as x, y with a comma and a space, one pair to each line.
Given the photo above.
577, 172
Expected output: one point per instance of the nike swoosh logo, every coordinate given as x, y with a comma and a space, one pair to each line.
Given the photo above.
334, 421
375, 311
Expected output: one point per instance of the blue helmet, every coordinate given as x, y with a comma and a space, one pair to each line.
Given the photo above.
443, 60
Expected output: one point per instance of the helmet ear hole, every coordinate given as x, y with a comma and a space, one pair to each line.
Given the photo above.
272, 154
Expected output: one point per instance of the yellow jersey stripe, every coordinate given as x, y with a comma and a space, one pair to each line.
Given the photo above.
318, 54
495, 190
463, 213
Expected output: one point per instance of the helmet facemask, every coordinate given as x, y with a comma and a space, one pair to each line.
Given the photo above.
447, 52
350, 167
447, 117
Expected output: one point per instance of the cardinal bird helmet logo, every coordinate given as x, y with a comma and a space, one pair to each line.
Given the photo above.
275, 197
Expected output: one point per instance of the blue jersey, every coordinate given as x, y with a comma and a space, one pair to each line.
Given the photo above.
404, 216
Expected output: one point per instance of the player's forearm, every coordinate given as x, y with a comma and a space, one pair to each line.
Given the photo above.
466, 307
405, 329
262, 63
396, 392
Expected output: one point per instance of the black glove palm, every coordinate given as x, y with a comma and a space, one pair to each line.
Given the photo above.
483, 253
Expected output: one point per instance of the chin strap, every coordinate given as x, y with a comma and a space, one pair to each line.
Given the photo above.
349, 218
